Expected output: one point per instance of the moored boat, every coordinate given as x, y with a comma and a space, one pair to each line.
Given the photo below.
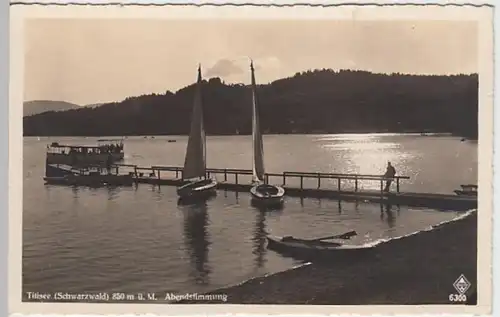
467, 190
196, 184
90, 176
262, 193
105, 151
267, 194
315, 247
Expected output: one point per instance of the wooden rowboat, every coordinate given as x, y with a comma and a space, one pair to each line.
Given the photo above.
315, 247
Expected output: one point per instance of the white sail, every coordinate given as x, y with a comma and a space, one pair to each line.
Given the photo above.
195, 161
258, 148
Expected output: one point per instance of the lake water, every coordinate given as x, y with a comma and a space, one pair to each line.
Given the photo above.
137, 239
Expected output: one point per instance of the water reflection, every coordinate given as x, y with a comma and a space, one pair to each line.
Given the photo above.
366, 154
75, 190
259, 239
263, 208
197, 241
112, 192
388, 214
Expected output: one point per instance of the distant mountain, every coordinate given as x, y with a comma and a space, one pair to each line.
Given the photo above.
39, 106
317, 101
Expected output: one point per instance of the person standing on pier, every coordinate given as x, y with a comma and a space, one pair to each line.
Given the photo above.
389, 173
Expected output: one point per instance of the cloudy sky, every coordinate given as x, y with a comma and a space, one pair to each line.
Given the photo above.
90, 61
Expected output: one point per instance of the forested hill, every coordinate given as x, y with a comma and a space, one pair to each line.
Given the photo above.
321, 101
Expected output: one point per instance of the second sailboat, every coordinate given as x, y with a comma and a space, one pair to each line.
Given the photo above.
262, 193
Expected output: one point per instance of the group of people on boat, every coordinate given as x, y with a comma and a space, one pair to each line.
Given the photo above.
111, 148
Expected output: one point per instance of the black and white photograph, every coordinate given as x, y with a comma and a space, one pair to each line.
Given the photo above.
203, 156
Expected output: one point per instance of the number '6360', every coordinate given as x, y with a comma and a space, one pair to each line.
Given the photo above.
457, 297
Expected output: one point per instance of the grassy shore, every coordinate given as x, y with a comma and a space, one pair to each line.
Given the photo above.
418, 269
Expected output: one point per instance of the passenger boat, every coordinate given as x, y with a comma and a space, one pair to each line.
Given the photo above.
196, 184
93, 176
467, 190
314, 247
105, 151
262, 193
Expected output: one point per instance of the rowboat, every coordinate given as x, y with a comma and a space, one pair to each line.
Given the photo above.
196, 184
315, 247
263, 194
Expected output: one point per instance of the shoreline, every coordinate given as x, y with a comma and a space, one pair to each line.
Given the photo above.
417, 269
388, 133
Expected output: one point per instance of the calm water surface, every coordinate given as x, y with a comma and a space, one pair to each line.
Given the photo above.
138, 240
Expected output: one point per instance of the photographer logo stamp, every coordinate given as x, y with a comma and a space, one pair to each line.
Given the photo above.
461, 285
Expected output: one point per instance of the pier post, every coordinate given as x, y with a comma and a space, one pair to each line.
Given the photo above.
267, 179
397, 185
135, 171
176, 174
319, 180
236, 178
284, 179
159, 177
225, 175
338, 184
356, 184
301, 182
381, 186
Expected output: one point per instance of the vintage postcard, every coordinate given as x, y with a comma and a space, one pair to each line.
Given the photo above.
249, 159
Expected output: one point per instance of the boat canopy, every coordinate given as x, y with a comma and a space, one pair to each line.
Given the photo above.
57, 145
110, 140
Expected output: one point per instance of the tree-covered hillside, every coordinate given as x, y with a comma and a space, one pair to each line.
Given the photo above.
320, 101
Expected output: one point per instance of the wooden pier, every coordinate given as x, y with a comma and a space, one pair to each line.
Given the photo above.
321, 185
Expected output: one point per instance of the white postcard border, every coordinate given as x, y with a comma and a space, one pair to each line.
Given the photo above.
484, 18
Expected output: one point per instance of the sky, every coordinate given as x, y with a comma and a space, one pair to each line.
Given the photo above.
87, 61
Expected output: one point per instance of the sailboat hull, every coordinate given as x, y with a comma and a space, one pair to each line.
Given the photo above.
197, 189
268, 195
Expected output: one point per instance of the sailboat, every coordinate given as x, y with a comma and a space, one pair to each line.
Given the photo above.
262, 193
194, 173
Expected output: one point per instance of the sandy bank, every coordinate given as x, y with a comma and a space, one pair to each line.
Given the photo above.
419, 269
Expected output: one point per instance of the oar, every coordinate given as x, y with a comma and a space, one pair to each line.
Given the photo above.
346, 235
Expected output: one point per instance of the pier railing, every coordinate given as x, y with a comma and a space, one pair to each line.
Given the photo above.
156, 171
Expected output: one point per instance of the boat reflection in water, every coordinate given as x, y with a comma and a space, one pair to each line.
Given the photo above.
266, 208
196, 200
259, 240
197, 241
